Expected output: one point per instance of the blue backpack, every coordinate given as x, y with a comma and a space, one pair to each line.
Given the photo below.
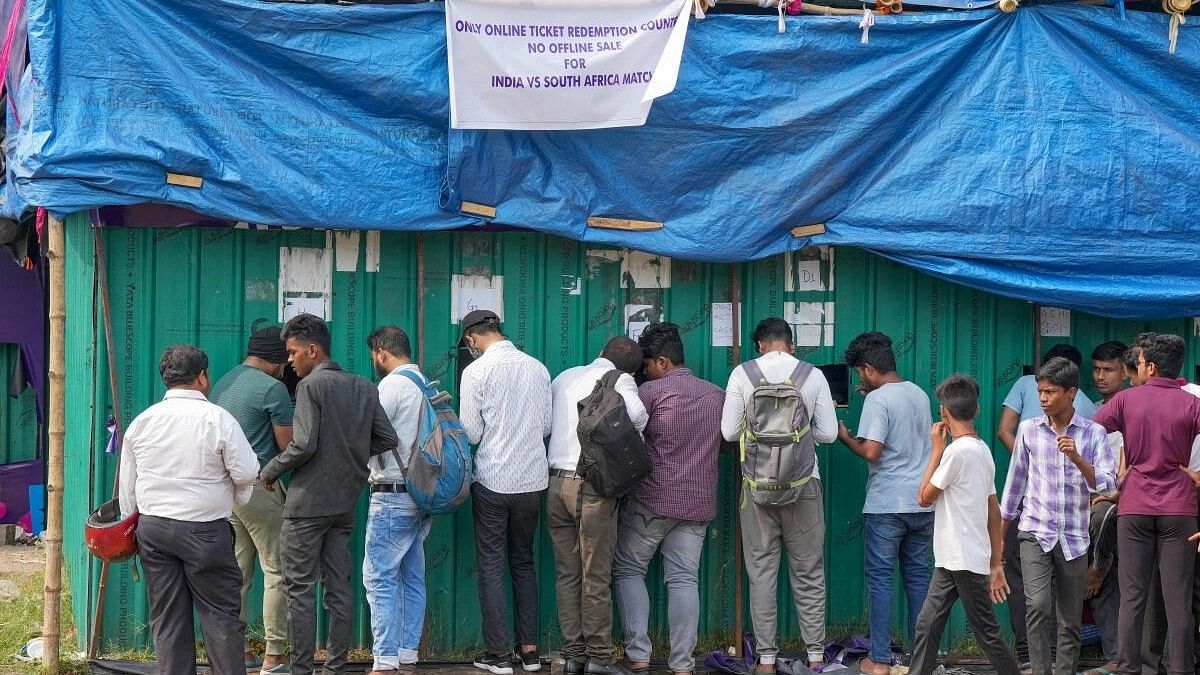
438, 474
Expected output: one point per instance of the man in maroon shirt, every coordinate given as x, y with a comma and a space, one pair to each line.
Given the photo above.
1157, 509
672, 507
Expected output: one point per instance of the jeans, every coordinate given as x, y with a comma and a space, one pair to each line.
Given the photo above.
639, 536
394, 577
506, 522
1053, 585
889, 538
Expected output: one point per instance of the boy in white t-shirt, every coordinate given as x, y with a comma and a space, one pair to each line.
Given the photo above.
960, 483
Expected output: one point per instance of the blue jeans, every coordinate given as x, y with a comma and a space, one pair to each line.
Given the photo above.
889, 538
394, 577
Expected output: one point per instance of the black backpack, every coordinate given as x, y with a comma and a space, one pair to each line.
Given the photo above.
612, 455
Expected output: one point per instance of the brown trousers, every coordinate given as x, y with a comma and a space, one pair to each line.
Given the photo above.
583, 529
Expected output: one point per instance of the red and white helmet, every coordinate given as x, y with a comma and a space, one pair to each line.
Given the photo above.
108, 536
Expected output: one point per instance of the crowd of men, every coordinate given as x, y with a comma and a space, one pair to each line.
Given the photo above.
1089, 485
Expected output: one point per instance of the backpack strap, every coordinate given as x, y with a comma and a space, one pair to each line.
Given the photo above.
610, 378
416, 378
754, 373
800, 374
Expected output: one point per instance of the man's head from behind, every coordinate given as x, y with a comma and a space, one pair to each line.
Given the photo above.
308, 343
958, 396
480, 330
1108, 370
773, 334
267, 349
872, 357
624, 353
1057, 384
662, 349
1159, 355
1064, 351
390, 349
185, 367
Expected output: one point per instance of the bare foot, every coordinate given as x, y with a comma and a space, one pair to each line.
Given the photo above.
872, 667
272, 660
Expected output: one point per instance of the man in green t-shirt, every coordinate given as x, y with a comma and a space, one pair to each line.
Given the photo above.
255, 395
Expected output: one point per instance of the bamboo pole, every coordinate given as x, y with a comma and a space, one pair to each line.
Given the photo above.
738, 601
54, 460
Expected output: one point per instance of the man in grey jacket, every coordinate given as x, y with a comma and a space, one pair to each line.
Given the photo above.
339, 424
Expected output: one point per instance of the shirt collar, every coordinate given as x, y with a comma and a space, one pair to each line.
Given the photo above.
331, 365
602, 362
1166, 382
1076, 421
407, 366
184, 393
680, 371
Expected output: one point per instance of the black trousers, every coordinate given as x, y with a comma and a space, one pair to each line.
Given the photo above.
1138, 539
944, 589
1014, 574
188, 566
506, 522
312, 550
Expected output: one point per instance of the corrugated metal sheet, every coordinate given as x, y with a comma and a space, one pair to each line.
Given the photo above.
561, 301
18, 414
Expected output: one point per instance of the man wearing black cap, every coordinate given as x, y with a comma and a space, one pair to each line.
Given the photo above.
506, 410
255, 395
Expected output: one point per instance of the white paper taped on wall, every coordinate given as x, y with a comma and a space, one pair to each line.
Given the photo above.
469, 292
1055, 322
645, 270
723, 328
812, 322
345, 245
638, 318
305, 281
809, 274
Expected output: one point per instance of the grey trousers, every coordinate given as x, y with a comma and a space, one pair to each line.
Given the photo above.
1054, 588
191, 565
946, 587
318, 549
766, 530
640, 534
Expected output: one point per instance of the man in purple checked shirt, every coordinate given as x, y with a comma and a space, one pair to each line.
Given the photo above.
670, 510
1059, 461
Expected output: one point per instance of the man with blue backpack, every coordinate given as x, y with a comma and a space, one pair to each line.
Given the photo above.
394, 564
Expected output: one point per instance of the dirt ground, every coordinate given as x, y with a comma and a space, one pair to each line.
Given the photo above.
21, 561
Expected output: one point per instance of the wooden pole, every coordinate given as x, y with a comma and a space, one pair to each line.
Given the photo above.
738, 600
54, 456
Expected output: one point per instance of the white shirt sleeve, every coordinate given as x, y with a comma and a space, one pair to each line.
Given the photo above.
628, 390
240, 460
546, 403
128, 469
820, 401
949, 470
734, 411
471, 405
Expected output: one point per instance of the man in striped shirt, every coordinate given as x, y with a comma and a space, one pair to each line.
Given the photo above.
1059, 461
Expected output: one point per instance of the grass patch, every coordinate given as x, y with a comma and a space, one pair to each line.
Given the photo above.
21, 620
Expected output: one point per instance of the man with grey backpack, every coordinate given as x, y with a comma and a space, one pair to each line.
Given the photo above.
778, 407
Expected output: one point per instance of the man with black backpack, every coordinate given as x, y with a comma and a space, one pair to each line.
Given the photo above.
582, 519
671, 508
779, 407
394, 564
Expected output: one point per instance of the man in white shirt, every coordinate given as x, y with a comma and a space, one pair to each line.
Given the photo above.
185, 464
799, 525
505, 408
394, 564
583, 525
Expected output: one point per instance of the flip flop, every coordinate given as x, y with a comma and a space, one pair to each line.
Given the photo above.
280, 669
253, 664
1100, 670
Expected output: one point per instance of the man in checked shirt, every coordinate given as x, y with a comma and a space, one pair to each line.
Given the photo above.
1059, 460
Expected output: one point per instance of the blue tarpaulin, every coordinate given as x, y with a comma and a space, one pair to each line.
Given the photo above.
1052, 154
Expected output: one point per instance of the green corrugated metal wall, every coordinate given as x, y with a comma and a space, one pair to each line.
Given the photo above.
18, 415
562, 301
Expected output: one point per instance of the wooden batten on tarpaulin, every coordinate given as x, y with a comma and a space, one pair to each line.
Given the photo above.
53, 537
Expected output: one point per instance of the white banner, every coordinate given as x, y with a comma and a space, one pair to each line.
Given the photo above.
561, 64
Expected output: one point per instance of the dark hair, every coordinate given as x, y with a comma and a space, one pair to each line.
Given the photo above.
483, 328
1112, 350
309, 329
871, 349
662, 339
1129, 359
182, 364
1060, 372
960, 396
391, 340
624, 353
773, 329
1065, 351
1163, 350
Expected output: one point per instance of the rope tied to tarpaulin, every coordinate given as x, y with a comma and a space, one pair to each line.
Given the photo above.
868, 20
699, 6
1176, 9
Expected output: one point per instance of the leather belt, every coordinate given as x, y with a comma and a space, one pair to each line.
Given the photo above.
563, 473
389, 487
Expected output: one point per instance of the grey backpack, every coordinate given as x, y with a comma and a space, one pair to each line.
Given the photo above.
778, 453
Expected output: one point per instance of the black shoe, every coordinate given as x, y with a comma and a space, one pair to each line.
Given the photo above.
615, 668
573, 667
530, 662
498, 664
